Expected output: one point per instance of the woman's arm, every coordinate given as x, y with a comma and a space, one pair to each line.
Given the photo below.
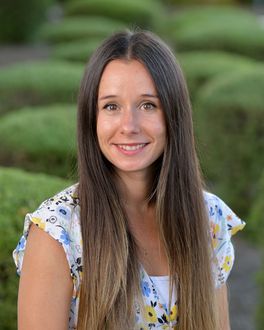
222, 304
45, 287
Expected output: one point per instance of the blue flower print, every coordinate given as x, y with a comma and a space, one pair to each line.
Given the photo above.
211, 211
63, 212
21, 243
65, 237
145, 288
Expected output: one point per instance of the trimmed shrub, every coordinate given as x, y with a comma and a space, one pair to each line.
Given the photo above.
229, 121
20, 193
76, 51
142, 13
40, 139
42, 82
20, 19
201, 66
200, 2
256, 221
227, 29
77, 28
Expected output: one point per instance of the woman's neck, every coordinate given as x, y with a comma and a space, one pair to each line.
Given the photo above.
133, 189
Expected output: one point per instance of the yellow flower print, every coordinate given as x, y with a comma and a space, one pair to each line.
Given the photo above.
235, 229
150, 314
227, 264
215, 229
173, 313
168, 327
141, 326
39, 223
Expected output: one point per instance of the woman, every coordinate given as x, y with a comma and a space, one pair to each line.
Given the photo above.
146, 247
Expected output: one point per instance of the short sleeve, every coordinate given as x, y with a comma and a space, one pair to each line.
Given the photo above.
57, 216
224, 223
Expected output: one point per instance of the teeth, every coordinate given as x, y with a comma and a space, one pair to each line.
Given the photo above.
131, 148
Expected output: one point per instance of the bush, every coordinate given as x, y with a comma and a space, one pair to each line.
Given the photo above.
227, 29
39, 83
229, 118
136, 12
76, 51
20, 19
40, 139
256, 224
77, 28
201, 66
200, 2
20, 192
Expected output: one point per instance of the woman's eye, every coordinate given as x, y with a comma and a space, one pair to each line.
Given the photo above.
149, 106
110, 107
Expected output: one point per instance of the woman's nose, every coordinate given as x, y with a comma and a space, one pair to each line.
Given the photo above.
130, 122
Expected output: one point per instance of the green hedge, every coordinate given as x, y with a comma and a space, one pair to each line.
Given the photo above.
201, 2
76, 28
40, 139
76, 51
229, 122
20, 192
256, 216
227, 29
257, 231
201, 66
136, 12
20, 19
42, 82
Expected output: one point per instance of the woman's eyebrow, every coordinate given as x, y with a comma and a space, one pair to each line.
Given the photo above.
150, 95
107, 97
104, 97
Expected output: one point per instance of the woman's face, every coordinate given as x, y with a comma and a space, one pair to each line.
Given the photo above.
130, 122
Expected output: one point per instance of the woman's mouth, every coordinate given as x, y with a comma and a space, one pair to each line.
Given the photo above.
131, 148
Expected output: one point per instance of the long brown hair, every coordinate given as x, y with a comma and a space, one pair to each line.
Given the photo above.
110, 282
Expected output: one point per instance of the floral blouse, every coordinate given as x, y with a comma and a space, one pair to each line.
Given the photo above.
59, 216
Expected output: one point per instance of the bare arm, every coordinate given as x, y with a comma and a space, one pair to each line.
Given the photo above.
45, 286
222, 304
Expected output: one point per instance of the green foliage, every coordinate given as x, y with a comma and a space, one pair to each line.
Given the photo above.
135, 12
42, 82
40, 139
20, 19
76, 51
201, 66
20, 193
256, 223
229, 118
76, 28
217, 28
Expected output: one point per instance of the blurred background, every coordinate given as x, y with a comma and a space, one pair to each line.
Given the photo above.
44, 45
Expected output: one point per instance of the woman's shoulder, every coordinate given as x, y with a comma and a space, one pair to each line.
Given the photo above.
67, 198
224, 223
59, 217
223, 219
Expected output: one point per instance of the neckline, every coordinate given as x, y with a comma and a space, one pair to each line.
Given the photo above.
160, 278
157, 277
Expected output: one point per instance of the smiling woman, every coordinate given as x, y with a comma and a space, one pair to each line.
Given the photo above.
137, 243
